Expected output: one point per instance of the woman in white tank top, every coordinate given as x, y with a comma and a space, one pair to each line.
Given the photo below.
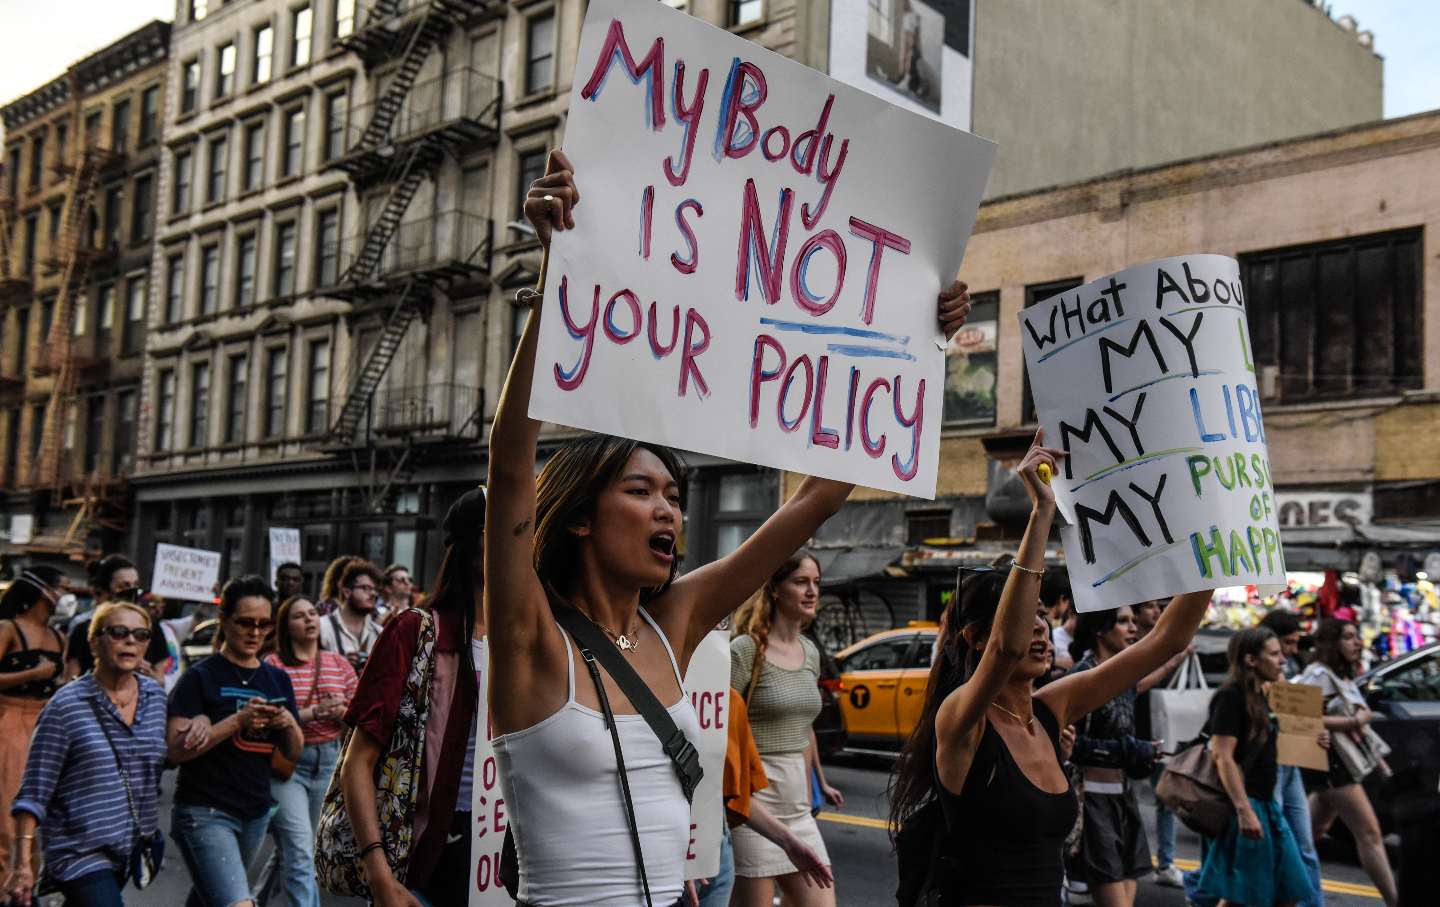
599, 528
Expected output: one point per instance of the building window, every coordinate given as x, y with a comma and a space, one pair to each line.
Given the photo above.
293, 154
972, 362
532, 167
743, 501
300, 21
164, 409
120, 125
141, 221
114, 203
107, 308
56, 218
92, 128
82, 314
122, 455
744, 12
149, 115
925, 526
17, 156
225, 72
253, 173
1035, 293
198, 9
517, 328
47, 319
344, 18
327, 248
22, 340
37, 160
174, 287
235, 412
189, 85
245, 255
209, 279
336, 113
37, 432
199, 404
275, 377
184, 166
264, 54
12, 447
62, 141
32, 242
317, 395
131, 339
215, 175
540, 53
1336, 319
94, 431
284, 283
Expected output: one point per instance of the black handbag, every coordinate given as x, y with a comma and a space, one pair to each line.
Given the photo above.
147, 853
595, 646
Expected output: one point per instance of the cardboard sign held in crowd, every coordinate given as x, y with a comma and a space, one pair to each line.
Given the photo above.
1146, 378
487, 804
1299, 709
284, 549
707, 683
185, 574
756, 258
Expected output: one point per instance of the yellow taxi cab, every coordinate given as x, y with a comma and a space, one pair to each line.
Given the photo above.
881, 687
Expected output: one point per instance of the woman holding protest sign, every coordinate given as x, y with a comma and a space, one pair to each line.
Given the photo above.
984, 755
1338, 793
591, 543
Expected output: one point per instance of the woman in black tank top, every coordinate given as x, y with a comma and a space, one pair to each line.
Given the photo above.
987, 746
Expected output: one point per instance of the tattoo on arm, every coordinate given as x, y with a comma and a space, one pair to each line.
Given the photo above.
524, 524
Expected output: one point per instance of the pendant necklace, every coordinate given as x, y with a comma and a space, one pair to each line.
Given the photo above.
624, 642
1025, 721
244, 681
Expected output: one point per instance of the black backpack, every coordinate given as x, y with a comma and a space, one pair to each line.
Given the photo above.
919, 849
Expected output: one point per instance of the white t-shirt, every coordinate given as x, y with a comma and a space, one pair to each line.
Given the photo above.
336, 637
1062, 639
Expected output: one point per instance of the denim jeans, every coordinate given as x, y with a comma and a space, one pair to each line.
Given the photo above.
216, 848
293, 823
717, 893
1164, 826
94, 889
1290, 797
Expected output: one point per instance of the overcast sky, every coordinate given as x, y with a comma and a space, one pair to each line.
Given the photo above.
39, 38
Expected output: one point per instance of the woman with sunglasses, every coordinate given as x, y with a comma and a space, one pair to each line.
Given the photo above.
222, 798
111, 720
32, 657
987, 745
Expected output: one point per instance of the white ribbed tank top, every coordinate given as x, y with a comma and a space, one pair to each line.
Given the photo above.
562, 793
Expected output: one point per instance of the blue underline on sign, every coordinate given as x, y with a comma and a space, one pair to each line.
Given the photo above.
834, 330
1131, 464
1140, 387
868, 352
1126, 568
1063, 347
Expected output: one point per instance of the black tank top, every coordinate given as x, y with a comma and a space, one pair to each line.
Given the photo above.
1006, 834
25, 658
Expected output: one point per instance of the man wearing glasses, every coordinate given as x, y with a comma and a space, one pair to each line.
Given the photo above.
352, 628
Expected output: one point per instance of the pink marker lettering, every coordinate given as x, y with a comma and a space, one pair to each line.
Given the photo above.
770, 258
693, 319
819, 434
568, 381
880, 239
652, 67
916, 424
688, 264
873, 448
759, 374
689, 114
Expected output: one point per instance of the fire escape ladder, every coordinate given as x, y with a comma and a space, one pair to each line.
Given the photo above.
436, 23
409, 174
406, 307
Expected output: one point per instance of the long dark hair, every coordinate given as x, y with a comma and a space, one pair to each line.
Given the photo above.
1251, 641
565, 492
1089, 627
28, 590
249, 586
977, 597
454, 592
754, 618
1327, 645
284, 642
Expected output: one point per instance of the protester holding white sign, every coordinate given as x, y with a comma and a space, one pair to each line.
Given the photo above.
1146, 380
186, 574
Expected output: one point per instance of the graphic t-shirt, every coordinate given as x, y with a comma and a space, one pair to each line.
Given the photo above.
235, 775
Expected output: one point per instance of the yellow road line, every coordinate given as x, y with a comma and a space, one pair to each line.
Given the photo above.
1330, 885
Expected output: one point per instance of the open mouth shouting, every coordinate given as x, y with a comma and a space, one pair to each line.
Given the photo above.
662, 545
1040, 649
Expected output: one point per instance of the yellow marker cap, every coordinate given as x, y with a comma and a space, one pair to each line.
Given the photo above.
1044, 470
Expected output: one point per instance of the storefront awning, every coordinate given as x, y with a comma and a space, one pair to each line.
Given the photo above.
1341, 548
843, 565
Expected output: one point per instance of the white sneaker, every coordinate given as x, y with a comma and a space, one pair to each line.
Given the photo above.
1170, 877
1077, 892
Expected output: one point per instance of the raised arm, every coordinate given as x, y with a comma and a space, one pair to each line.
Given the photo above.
517, 614
699, 600
1013, 631
1073, 697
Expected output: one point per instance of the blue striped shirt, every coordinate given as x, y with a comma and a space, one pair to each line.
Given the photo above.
72, 786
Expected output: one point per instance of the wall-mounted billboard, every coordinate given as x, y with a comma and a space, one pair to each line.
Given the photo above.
914, 53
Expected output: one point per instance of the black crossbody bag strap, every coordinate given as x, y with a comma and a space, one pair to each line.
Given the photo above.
676, 745
586, 654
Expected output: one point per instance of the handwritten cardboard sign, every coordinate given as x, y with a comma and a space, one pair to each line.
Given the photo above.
1299, 710
707, 682
756, 257
487, 805
284, 549
185, 574
1146, 378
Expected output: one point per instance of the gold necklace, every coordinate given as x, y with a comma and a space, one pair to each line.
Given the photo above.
1025, 721
624, 642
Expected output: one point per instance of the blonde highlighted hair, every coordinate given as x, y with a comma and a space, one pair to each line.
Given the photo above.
754, 618
101, 620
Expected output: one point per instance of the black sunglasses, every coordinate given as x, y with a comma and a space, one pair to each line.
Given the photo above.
250, 623
118, 634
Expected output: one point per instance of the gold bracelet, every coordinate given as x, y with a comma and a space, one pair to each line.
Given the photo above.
29, 837
1016, 565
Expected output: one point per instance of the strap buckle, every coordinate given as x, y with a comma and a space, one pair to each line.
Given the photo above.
687, 762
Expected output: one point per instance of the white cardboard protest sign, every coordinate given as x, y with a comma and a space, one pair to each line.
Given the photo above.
185, 574
487, 806
1146, 378
284, 549
756, 258
707, 682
